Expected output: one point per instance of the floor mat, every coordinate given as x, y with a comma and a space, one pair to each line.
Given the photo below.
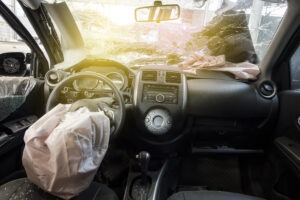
211, 172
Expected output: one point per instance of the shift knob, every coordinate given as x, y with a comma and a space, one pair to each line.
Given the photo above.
143, 159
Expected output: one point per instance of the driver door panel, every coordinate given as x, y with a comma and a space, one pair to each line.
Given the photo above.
12, 130
20, 103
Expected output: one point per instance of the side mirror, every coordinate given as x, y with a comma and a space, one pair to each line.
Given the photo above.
157, 13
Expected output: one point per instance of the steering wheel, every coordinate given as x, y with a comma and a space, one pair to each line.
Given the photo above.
105, 104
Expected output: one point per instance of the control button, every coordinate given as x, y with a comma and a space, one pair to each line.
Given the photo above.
158, 121
32, 119
25, 123
88, 94
147, 120
160, 98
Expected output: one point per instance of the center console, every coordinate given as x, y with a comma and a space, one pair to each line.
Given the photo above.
160, 98
144, 183
159, 102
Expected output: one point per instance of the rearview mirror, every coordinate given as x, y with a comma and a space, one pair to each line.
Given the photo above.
157, 13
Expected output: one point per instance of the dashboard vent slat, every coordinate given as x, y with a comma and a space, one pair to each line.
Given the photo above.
173, 77
267, 89
149, 76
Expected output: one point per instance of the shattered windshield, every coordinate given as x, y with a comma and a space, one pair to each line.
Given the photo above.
213, 31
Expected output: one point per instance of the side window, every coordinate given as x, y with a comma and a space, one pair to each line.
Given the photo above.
295, 69
14, 52
10, 41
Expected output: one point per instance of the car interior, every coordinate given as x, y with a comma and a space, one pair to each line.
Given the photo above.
176, 133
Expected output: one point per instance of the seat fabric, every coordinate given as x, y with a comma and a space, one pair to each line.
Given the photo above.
21, 189
210, 195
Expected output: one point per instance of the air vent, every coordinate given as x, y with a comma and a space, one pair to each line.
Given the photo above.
149, 76
173, 77
267, 89
53, 77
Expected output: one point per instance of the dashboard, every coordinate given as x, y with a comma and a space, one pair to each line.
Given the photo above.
162, 102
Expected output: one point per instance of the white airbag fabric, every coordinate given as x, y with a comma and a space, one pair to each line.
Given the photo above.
63, 150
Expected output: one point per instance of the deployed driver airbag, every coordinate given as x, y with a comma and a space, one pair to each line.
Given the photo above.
63, 150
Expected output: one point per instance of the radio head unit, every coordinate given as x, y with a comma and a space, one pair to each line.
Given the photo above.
155, 93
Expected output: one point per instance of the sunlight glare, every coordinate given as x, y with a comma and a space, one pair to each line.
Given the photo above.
121, 15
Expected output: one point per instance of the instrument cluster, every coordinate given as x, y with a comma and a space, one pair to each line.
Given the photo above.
53, 77
93, 84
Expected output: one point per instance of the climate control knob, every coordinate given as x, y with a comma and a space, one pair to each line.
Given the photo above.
158, 121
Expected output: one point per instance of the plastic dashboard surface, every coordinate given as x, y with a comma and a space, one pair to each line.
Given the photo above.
226, 99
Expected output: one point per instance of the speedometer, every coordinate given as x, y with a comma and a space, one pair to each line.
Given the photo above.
117, 79
85, 84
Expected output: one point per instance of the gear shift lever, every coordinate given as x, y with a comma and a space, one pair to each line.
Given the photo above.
141, 186
143, 158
